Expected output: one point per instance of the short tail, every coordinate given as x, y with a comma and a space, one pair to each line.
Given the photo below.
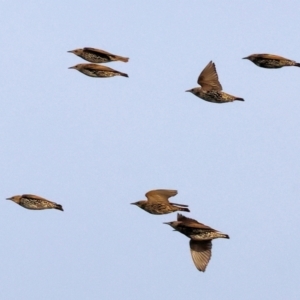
240, 99
124, 59
123, 74
59, 207
297, 64
184, 209
224, 236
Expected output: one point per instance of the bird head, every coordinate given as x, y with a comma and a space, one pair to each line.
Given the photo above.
76, 51
15, 199
139, 203
173, 224
77, 67
191, 91
250, 57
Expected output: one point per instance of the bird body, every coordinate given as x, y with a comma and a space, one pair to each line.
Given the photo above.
213, 96
211, 88
271, 61
96, 56
200, 239
195, 230
94, 70
34, 202
158, 202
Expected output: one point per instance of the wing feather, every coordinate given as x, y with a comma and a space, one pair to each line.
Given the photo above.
161, 195
201, 253
208, 79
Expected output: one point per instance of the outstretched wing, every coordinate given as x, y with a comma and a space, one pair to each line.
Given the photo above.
208, 79
201, 253
161, 196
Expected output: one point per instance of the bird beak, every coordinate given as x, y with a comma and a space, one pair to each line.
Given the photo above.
133, 203
72, 67
245, 57
71, 51
8, 198
167, 223
189, 91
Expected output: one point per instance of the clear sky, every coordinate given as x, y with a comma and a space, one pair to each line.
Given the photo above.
96, 145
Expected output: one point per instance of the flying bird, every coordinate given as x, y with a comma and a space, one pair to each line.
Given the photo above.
94, 70
96, 56
211, 88
200, 239
271, 61
34, 202
158, 203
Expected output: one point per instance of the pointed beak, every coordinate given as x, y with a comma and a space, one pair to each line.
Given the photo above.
167, 223
71, 51
133, 203
189, 91
72, 67
245, 57
8, 198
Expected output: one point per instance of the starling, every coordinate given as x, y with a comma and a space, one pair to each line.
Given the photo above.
34, 202
94, 70
211, 89
97, 56
158, 202
271, 61
201, 237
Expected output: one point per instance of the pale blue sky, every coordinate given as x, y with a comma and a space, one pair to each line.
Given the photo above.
95, 145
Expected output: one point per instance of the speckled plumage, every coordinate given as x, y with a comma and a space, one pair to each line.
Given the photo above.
211, 88
97, 56
98, 71
201, 237
271, 61
158, 202
34, 202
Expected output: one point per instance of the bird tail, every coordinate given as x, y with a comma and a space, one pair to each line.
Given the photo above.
59, 207
124, 59
223, 235
184, 209
297, 64
240, 99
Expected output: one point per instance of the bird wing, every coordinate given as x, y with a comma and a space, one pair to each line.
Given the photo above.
182, 218
208, 78
98, 52
201, 253
33, 197
191, 223
161, 196
183, 205
95, 67
270, 56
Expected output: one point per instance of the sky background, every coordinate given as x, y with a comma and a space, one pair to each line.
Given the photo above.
96, 145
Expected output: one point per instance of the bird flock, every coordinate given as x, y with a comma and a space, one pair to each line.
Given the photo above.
157, 202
